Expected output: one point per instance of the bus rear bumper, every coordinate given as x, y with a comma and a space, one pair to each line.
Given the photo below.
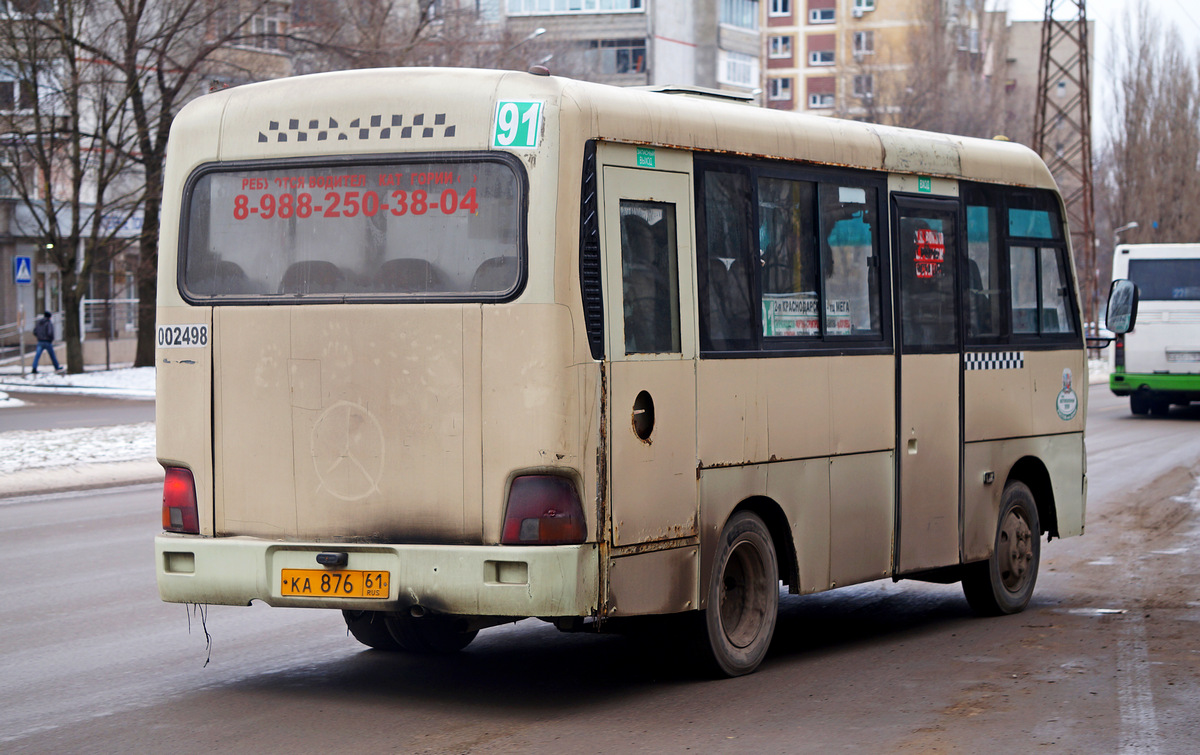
1178, 387
472, 580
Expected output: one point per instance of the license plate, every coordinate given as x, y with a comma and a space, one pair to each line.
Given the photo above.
1183, 356
327, 583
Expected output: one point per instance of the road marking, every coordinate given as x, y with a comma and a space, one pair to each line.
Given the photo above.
1139, 722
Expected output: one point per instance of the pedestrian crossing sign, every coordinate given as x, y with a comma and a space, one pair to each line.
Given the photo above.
22, 270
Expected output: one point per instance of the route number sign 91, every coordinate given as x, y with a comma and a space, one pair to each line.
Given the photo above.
517, 124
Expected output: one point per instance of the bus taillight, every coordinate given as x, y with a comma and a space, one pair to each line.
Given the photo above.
179, 513
543, 510
1119, 352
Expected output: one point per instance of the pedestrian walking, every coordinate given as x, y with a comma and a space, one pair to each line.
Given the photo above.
43, 331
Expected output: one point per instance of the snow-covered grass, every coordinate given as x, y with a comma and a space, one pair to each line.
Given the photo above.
23, 450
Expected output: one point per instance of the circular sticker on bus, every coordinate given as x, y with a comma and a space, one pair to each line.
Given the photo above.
1068, 402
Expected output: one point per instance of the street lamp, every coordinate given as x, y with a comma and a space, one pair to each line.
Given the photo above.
1118, 231
528, 38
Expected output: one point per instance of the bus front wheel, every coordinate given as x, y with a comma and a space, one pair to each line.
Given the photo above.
1004, 583
743, 596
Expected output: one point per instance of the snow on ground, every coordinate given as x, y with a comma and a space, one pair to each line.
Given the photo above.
38, 449
22, 450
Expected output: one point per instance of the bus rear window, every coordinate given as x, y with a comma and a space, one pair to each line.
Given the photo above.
1166, 280
439, 228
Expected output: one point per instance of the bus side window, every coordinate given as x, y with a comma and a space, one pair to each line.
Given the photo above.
1040, 298
727, 314
787, 258
649, 278
983, 273
1055, 308
850, 266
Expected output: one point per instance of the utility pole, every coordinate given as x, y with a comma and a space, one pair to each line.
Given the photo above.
1062, 132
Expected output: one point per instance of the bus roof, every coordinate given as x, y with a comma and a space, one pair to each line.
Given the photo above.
380, 110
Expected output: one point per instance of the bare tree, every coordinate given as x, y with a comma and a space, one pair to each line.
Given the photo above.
947, 76
1151, 164
163, 53
65, 148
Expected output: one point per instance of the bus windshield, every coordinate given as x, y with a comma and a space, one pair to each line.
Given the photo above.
1167, 279
444, 227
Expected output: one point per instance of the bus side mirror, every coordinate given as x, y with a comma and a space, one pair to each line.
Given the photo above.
1122, 306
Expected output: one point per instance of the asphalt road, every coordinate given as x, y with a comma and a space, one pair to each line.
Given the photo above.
1104, 661
47, 411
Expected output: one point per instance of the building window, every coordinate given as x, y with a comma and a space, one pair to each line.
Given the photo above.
864, 85
864, 43
741, 13
780, 47
15, 96
268, 27
26, 8
737, 69
613, 56
820, 58
779, 89
862, 6
968, 40
821, 16
780, 8
820, 101
546, 7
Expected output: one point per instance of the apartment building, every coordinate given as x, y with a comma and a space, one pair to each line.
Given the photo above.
863, 58
705, 43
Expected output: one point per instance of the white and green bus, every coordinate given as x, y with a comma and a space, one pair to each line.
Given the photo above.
443, 349
1158, 364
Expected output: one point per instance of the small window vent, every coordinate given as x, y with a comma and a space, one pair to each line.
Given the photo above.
589, 255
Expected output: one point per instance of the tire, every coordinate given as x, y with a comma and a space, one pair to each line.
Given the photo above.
743, 596
370, 628
429, 635
1139, 405
1004, 583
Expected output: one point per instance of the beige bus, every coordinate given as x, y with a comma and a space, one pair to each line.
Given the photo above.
444, 349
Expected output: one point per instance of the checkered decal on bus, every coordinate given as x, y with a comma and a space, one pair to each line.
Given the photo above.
995, 360
360, 128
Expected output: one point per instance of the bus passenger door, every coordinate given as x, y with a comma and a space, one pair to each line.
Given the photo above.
928, 374
649, 322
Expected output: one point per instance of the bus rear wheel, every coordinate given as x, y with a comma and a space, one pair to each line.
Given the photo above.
369, 628
429, 635
1139, 405
1004, 583
743, 596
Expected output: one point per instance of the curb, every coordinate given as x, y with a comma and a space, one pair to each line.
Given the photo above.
47, 480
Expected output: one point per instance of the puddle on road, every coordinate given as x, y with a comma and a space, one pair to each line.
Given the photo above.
1096, 611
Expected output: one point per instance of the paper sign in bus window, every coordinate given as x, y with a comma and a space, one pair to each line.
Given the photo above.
790, 316
931, 251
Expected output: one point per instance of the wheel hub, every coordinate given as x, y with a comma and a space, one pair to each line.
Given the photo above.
1016, 551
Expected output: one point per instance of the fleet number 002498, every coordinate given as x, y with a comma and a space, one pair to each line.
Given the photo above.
182, 336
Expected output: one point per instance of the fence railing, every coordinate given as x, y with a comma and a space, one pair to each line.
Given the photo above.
118, 316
